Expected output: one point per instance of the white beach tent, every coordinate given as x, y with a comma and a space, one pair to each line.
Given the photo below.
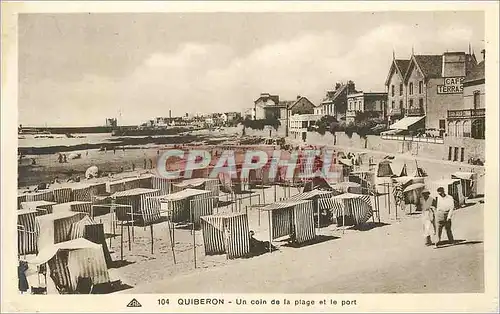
468, 181
91, 172
70, 260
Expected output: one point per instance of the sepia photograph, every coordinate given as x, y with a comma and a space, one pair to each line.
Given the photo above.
217, 153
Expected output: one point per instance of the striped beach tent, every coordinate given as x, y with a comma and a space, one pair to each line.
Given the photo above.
74, 206
468, 182
226, 233
291, 218
55, 228
70, 260
178, 205
26, 231
85, 192
40, 196
89, 229
123, 184
162, 184
144, 202
356, 208
43, 207
412, 193
63, 195
20, 198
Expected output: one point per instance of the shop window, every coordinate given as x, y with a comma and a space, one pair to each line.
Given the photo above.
451, 128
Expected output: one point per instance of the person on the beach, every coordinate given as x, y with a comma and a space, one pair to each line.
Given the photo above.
65, 159
60, 158
445, 207
145, 163
428, 216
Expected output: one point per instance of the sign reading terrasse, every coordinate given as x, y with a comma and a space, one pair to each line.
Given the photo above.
452, 85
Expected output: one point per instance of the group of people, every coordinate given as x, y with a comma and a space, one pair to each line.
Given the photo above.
437, 213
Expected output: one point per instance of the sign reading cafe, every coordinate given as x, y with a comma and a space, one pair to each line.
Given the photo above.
452, 85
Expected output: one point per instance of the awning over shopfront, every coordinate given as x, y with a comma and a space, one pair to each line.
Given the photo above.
406, 122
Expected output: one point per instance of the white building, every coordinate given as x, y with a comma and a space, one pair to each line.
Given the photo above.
298, 124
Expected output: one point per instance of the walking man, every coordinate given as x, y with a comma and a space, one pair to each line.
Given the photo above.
428, 216
445, 207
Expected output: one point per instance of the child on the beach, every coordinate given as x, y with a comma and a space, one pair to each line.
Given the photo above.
428, 217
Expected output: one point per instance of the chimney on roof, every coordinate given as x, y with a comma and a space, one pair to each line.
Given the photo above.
351, 87
170, 114
337, 86
298, 97
483, 52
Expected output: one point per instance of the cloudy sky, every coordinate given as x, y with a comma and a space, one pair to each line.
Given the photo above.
78, 69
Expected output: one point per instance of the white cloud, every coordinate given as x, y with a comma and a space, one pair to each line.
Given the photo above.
210, 78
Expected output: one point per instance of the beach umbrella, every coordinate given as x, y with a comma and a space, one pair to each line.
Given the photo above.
91, 172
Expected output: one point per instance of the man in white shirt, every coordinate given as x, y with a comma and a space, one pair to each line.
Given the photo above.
445, 207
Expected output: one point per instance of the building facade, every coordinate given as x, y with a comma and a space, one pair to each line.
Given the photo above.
266, 107
396, 90
300, 123
373, 105
335, 102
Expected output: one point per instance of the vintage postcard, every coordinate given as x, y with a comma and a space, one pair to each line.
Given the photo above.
249, 156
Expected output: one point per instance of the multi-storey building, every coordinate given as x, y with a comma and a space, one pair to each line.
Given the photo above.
335, 102
396, 91
372, 104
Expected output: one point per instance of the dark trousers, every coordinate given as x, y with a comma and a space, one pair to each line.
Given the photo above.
447, 225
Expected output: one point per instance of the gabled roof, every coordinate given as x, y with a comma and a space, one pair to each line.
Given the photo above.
275, 98
476, 73
399, 64
430, 66
293, 103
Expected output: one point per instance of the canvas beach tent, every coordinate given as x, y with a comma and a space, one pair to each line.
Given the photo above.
384, 169
349, 209
42, 207
91, 172
55, 228
226, 233
452, 187
26, 231
180, 205
348, 187
364, 178
413, 192
314, 196
71, 261
292, 219
468, 181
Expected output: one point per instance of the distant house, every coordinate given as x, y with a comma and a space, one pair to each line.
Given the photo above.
335, 102
266, 107
372, 104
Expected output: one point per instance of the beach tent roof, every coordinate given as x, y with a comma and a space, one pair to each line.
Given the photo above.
445, 182
26, 211
349, 196
225, 215
309, 195
133, 192
47, 253
183, 194
463, 175
192, 182
346, 162
282, 205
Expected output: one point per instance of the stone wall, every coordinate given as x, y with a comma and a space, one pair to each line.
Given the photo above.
472, 147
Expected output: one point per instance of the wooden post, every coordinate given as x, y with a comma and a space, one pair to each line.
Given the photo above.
152, 239
129, 240
270, 231
194, 238
316, 202
171, 241
275, 194
121, 240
